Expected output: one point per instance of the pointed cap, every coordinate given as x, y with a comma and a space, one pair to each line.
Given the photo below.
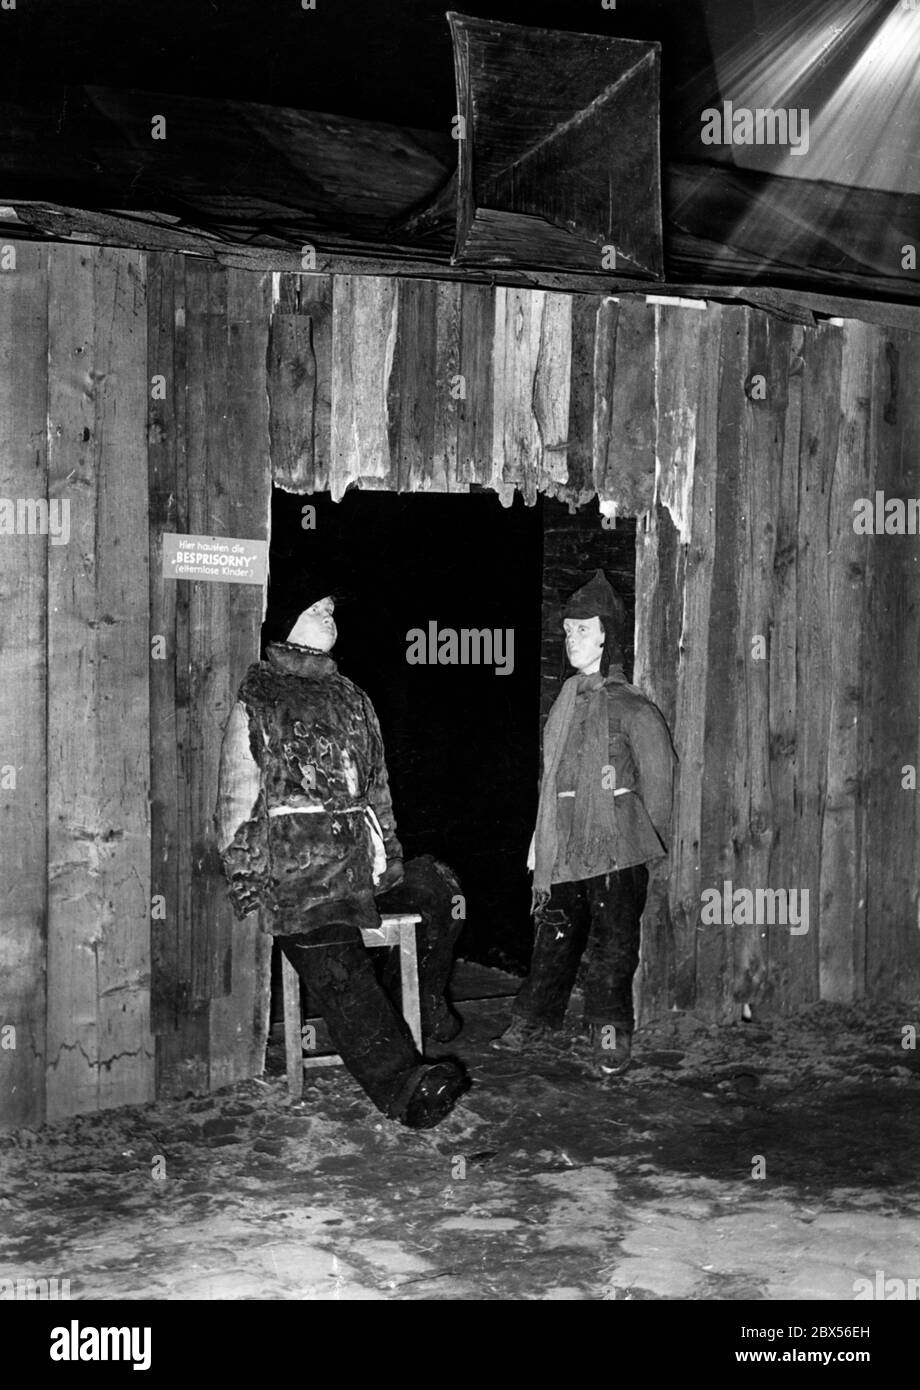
598, 599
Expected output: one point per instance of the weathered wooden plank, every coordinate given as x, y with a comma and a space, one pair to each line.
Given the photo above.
626, 420
660, 580
605, 356
183, 1044
842, 903
690, 718
74, 852
761, 457
207, 932
239, 1012
474, 433
532, 371
315, 293
820, 422
99, 1047
411, 387
23, 689
892, 686
679, 333
363, 333
729, 650
784, 692
299, 382
169, 888
578, 487
449, 389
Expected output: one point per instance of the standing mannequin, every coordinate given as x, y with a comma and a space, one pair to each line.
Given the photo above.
604, 812
306, 832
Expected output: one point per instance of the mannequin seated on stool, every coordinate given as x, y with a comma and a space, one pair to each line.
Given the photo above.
306, 832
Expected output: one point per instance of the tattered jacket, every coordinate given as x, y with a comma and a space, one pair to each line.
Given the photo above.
636, 771
304, 819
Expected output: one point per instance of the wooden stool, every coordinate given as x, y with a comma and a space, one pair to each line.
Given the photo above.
396, 929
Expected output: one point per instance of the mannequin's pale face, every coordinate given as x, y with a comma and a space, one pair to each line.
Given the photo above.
584, 642
316, 626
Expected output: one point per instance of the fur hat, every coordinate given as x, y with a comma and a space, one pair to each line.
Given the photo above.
296, 598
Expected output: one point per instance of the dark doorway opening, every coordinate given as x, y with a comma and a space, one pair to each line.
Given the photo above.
462, 741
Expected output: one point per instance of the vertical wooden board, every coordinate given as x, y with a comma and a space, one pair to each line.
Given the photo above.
515, 443
892, 687
579, 485
363, 336
551, 391
605, 352
784, 694
766, 384
315, 301
100, 1051
183, 1045
625, 461
23, 689
292, 392
904, 871
693, 671
660, 579
208, 492
477, 338
820, 421
723, 818
299, 382
679, 332
165, 309
239, 1010
532, 367
448, 387
411, 388
843, 867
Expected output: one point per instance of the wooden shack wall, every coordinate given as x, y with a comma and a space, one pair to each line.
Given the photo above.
122, 972
121, 968
797, 750
741, 440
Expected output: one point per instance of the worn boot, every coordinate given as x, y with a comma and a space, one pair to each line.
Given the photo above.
437, 1089
522, 1035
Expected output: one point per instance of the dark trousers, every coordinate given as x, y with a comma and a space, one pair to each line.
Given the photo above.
599, 915
360, 1003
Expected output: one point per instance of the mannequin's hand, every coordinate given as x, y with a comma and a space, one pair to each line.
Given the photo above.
392, 875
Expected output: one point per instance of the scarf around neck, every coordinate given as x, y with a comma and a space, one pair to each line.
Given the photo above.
593, 823
295, 660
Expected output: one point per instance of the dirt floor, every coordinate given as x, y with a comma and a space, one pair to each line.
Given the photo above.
542, 1184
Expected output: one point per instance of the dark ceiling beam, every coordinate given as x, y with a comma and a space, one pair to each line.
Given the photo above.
798, 305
